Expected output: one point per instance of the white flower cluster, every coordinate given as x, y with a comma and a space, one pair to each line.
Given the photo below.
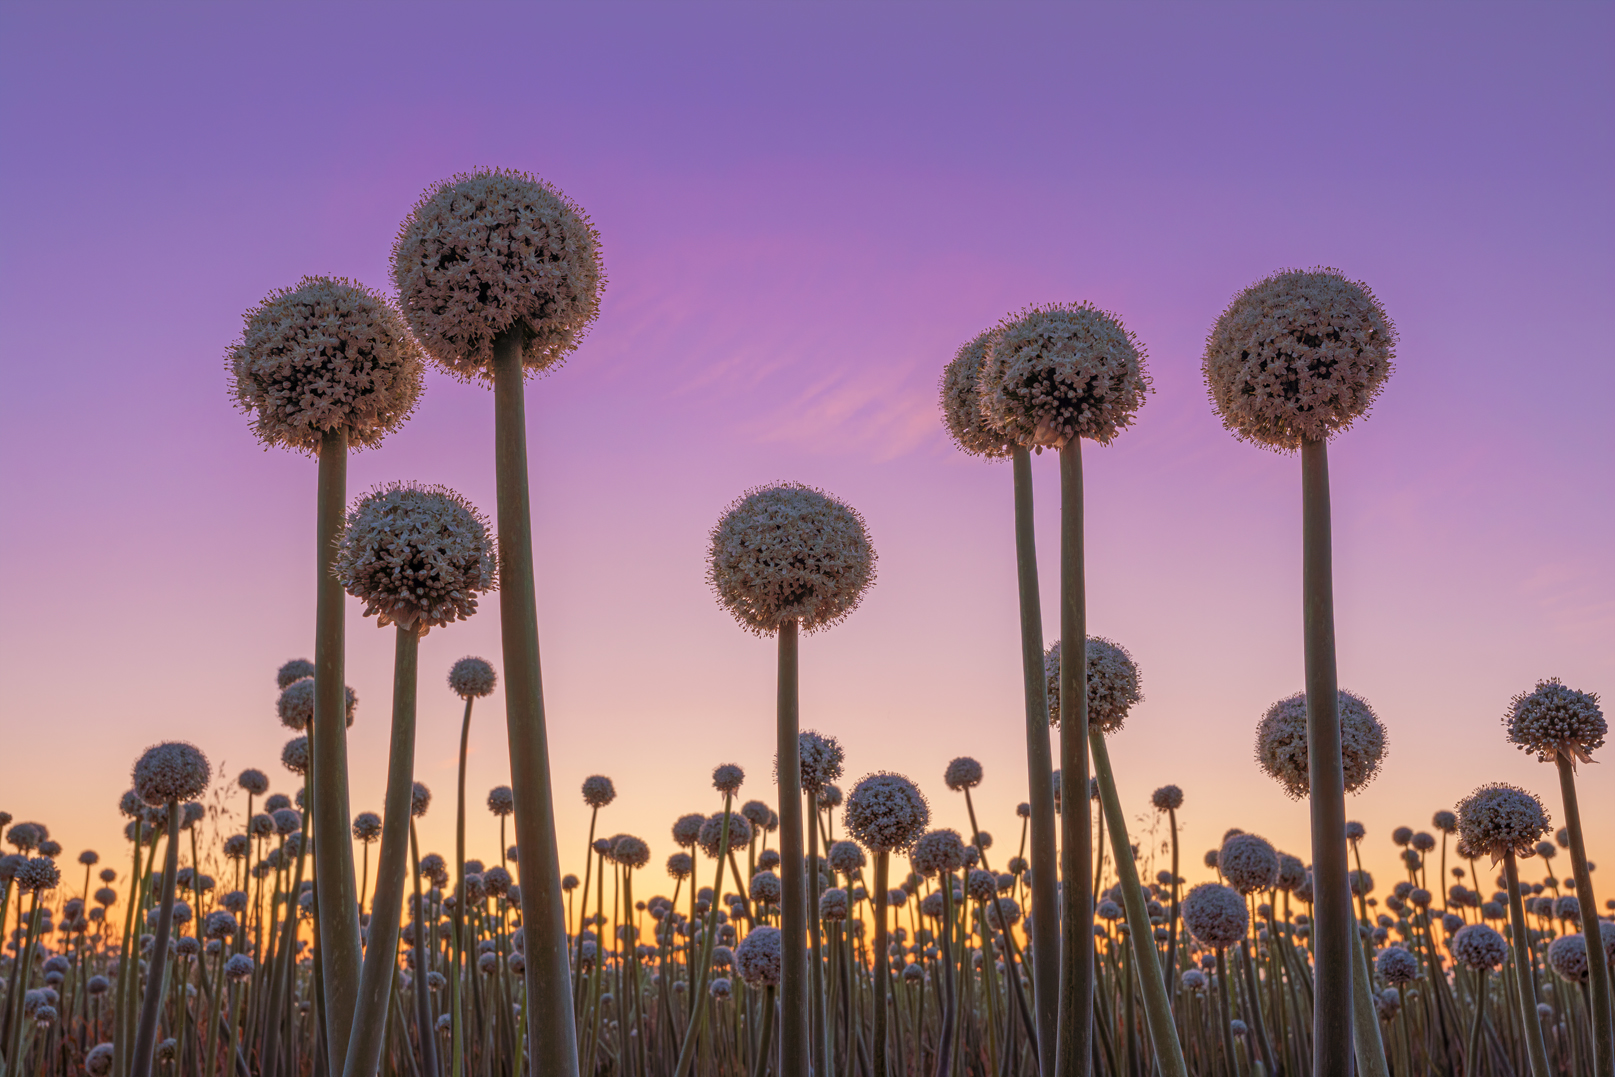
488, 252
711, 837
417, 555
1552, 718
963, 773
1062, 371
790, 552
961, 403
1479, 946
1568, 956
295, 670
1249, 863
171, 771
759, 956
886, 812
1397, 966
1496, 818
937, 851
325, 354
598, 791
1215, 915
1281, 743
472, 678
1298, 356
1113, 683
295, 705
821, 757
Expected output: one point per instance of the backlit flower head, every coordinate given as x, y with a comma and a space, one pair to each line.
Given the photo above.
630, 851
1478, 947
1396, 966
1445, 821
254, 781
790, 552
367, 826
295, 670
495, 250
1552, 719
501, 800
1113, 683
833, 904
1249, 863
598, 791
937, 851
1298, 356
1292, 873
963, 773
1568, 956
295, 705
759, 956
1167, 798
472, 678
961, 403
727, 778
1215, 915
325, 354
1281, 743
417, 555
294, 756
765, 888
420, 799
687, 829
1055, 372
1496, 818
711, 837
171, 771
886, 812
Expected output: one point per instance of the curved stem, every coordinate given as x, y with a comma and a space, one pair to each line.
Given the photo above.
146, 1033
1592, 932
338, 923
1332, 919
551, 1032
1045, 942
381, 955
1076, 810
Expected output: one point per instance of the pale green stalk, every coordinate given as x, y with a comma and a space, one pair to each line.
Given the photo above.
1592, 932
1525, 971
1365, 1018
793, 989
1076, 820
146, 1033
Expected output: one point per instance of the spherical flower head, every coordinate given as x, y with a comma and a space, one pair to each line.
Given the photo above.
1281, 743
472, 678
598, 791
1113, 683
937, 851
687, 829
790, 553
1397, 966
963, 773
420, 798
1568, 956
294, 756
727, 778
833, 904
829, 796
37, 875
1061, 371
720, 988
1167, 798
293, 671
887, 812
501, 800
325, 354
295, 705
1297, 357
25, 836
961, 403
759, 956
821, 757
494, 251
367, 826
1445, 821
630, 852
845, 857
711, 836
255, 782
680, 865
171, 771
1292, 873
1215, 915
98, 1063
758, 814
1479, 946
417, 555
765, 888
1496, 818
1552, 719
1249, 863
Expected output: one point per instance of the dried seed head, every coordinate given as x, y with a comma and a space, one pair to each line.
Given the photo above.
961, 403
171, 771
790, 553
1055, 372
325, 354
417, 555
887, 812
1552, 719
1281, 743
1215, 915
1496, 818
1298, 356
472, 678
492, 251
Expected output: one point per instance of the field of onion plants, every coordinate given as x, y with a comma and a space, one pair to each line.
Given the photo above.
811, 922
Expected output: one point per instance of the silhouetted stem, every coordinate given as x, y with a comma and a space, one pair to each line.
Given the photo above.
457, 1036
338, 922
1525, 970
151, 1005
392, 863
793, 987
1332, 915
1076, 813
551, 1031
1592, 932
1045, 941
882, 963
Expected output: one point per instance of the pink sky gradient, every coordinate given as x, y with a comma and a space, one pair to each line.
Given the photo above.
804, 211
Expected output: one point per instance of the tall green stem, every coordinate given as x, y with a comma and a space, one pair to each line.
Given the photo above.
550, 1028
1592, 932
381, 955
709, 935
1140, 932
151, 1005
338, 923
882, 963
457, 1036
1332, 916
1076, 813
1525, 971
1040, 777
1365, 1018
793, 987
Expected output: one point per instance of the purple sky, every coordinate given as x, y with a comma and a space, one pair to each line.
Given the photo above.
804, 211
